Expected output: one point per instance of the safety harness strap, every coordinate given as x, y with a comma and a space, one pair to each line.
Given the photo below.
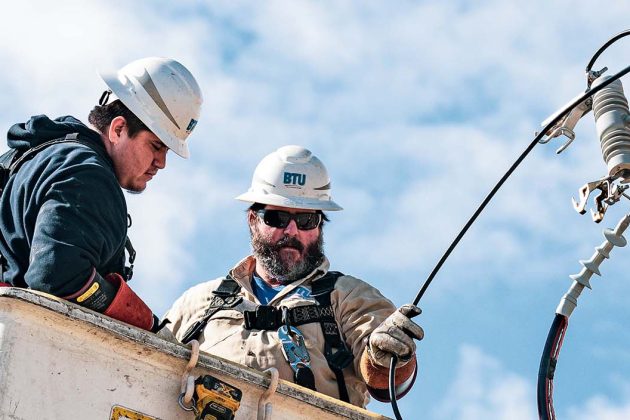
224, 297
267, 317
336, 351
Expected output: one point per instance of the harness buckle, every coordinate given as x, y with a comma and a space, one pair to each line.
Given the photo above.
265, 317
293, 347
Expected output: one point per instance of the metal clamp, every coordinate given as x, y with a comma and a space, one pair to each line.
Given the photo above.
293, 347
567, 124
610, 193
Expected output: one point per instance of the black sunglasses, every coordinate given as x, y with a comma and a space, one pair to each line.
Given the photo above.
281, 219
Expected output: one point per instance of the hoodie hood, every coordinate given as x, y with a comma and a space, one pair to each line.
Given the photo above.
40, 129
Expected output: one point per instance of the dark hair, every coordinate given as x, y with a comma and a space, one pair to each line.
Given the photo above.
102, 115
259, 206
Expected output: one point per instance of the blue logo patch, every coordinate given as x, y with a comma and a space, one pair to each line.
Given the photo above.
294, 179
191, 125
302, 291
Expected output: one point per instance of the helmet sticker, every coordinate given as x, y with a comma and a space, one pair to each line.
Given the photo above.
294, 180
191, 125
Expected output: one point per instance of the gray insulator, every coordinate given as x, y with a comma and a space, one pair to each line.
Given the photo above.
592, 265
581, 280
604, 250
614, 238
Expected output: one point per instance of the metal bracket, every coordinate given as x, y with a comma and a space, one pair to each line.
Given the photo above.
565, 126
610, 193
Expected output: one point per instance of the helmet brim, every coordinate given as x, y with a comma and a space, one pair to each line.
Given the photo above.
293, 203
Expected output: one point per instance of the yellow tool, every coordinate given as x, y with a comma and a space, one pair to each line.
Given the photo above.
215, 399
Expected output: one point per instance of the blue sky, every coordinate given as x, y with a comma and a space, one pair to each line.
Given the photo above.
417, 109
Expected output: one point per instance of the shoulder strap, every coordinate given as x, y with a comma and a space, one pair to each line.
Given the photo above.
224, 297
30, 153
336, 351
228, 287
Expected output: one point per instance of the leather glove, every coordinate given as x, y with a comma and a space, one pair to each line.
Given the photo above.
395, 336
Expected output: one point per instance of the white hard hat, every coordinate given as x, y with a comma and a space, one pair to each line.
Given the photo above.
291, 177
163, 95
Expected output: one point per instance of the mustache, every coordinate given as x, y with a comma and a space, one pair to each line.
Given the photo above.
288, 242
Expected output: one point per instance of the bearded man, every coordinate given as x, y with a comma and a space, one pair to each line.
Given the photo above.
281, 306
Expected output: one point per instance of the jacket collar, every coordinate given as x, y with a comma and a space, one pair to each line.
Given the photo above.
244, 270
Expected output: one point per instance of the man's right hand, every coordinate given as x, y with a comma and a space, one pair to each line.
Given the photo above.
395, 336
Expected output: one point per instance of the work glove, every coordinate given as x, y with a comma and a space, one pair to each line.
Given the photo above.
395, 336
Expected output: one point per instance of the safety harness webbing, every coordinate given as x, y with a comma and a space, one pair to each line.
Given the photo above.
267, 317
335, 349
224, 297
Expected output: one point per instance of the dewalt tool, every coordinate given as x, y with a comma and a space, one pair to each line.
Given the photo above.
215, 399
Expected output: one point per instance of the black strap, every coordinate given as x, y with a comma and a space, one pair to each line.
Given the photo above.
128, 271
267, 317
336, 351
304, 376
224, 297
228, 287
30, 153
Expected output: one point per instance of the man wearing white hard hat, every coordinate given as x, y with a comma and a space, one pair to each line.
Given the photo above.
63, 215
282, 307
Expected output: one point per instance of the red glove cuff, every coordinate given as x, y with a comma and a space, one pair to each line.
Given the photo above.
377, 378
127, 306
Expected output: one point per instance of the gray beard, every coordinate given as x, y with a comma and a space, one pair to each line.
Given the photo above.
268, 256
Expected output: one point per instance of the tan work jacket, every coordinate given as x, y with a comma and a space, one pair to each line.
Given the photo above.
359, 308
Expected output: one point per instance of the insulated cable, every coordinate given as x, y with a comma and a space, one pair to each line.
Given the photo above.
604, 47
392, 386
561, 114
490, 196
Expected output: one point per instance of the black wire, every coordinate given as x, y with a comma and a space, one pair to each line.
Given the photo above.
392, 386
548, 365
518, 161
482, 206
603, 48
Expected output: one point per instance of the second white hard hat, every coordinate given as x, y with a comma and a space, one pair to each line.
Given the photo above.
163, 94
291, 177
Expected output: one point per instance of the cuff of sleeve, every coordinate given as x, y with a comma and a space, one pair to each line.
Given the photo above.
377, 378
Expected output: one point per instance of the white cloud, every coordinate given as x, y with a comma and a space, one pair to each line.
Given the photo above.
484, 389
600, 408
